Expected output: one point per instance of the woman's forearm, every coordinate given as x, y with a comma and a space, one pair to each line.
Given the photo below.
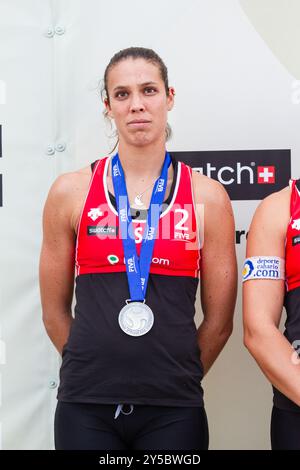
58, 329
277, 359
211, 340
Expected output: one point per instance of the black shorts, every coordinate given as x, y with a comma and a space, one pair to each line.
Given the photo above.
285, 429
81, 426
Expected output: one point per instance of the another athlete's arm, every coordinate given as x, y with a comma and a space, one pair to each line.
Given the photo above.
56, 269
218, 268
263, 298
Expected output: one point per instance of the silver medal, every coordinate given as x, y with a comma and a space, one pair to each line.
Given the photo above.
136, 319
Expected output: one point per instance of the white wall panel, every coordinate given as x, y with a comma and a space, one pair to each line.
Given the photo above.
232, 92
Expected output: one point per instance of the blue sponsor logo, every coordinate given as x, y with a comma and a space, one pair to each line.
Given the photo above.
248, 269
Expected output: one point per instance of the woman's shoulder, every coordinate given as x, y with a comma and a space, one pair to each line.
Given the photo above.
69, 189
67, 194
271, 216
70, 182
208, 190
279, 202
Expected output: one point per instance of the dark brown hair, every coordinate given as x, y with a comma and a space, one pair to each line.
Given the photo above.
137, 53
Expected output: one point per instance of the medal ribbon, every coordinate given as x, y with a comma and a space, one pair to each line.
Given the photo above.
138, 268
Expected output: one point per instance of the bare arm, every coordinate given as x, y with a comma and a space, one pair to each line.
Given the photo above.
218, 269
56, 269
263, 299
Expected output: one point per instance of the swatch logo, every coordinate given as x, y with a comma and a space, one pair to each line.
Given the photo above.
245, 174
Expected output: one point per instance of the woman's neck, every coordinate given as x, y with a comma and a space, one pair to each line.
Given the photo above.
142, 162
141, 167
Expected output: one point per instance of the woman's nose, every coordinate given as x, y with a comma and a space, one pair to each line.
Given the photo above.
136, 103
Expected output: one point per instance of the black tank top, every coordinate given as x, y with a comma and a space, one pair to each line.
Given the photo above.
101, 364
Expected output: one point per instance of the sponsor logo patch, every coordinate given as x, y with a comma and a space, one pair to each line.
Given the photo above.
296, 240
296, 224
263, 267
102, 230
248, 269
94, 213
113, 259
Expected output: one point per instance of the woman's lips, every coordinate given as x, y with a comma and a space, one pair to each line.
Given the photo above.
138, 123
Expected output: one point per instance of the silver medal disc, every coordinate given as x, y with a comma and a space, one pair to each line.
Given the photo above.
136, 319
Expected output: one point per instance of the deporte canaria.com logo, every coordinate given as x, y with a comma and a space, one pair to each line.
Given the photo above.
263, 267
248, 269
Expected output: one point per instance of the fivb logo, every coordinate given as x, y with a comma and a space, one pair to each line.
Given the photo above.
123, 215
131, 265
116, 170
160, 185
150, 234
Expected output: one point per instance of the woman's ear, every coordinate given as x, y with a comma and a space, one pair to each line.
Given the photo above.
171, 98
172, 91
108, 108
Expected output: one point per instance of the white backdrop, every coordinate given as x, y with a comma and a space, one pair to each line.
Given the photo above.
235, 71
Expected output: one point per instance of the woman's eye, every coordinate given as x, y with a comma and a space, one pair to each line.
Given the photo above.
121, 94
150, 91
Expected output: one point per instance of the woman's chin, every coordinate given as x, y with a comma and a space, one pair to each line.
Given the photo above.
141, 139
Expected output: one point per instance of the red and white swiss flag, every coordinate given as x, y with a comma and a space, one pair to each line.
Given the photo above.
266, 174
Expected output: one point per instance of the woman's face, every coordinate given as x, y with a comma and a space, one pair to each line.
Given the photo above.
138, 102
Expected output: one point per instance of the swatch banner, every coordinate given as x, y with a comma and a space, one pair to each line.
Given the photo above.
245, 174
